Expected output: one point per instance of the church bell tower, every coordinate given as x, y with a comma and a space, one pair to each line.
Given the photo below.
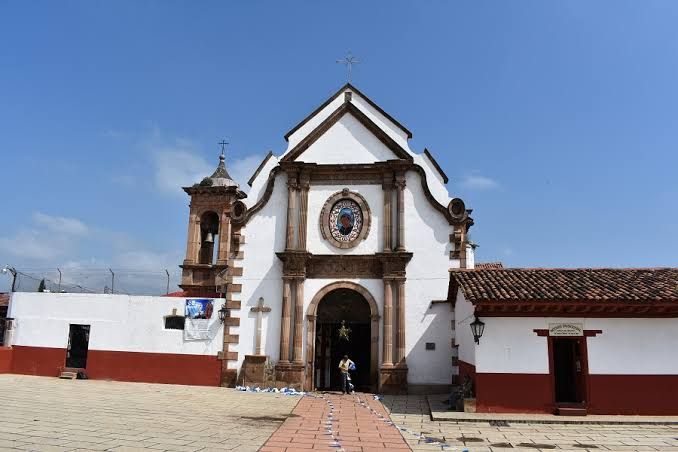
205, 270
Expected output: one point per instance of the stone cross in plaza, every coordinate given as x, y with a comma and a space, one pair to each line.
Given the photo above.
259, 309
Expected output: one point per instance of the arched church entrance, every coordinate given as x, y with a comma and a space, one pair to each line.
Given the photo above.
344, 320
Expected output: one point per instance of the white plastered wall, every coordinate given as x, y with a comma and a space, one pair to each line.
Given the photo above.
463, 337
347, 141
427, 237
625, 346
262, 275
117, 322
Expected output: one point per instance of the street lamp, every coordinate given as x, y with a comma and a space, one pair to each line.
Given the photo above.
11, 270
477, 327
223, 313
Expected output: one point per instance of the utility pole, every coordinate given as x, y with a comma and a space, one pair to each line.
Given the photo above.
13, 271
167, 290
59, 289
112, 280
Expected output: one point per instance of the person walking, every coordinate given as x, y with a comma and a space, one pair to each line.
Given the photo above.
344, 366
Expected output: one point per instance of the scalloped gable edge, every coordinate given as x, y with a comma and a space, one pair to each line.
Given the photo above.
333, 97
433, 161
259, 168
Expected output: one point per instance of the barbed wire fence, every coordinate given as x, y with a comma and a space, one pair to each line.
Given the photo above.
97, 280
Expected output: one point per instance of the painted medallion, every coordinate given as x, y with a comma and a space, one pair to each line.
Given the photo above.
346, 220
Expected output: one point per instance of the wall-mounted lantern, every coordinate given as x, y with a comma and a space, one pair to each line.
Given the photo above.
223, 313
477, 327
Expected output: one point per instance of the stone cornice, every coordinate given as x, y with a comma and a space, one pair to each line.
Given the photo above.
377, 173
297, 263
215, 191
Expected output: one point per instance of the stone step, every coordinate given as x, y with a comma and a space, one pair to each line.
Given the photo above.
571, 411
68, 375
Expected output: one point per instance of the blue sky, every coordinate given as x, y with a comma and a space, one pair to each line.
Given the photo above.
557, 122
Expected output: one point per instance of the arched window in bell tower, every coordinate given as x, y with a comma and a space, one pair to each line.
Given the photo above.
209, 235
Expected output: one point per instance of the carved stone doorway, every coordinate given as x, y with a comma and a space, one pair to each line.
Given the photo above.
355, 306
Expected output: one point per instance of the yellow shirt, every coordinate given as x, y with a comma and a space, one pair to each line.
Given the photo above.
344, 364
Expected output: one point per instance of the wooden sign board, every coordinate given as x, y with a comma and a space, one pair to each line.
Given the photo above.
566, 329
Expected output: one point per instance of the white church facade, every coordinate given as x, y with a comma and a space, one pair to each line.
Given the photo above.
349, 243
347, 225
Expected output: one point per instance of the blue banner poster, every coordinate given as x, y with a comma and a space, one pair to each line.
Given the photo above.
198, 314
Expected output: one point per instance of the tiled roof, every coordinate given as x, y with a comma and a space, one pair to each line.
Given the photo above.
586, 284
486, 265
4, 299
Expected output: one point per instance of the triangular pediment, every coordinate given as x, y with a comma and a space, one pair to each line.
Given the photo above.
348, 88
348, 134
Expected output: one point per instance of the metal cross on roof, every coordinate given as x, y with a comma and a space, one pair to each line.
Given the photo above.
223, 144
349, 60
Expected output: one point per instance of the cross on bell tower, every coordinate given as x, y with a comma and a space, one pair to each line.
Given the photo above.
223, 144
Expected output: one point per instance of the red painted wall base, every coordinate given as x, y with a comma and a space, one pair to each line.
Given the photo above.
513, 393
633, 394
201, 370
5, 360
608, 394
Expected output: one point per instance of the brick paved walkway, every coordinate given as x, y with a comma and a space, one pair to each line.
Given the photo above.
337, 422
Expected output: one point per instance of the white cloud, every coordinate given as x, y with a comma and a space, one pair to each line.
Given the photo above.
50, 237
477, 182
178, 167
181, 165
58, 224
35, 244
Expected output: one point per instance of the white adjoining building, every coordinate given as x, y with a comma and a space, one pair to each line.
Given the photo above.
348, 242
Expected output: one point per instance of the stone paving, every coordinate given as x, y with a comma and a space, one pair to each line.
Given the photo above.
48, 414
412, 413
332, 422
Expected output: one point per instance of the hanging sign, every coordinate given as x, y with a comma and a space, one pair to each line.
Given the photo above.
198, 314
566, 329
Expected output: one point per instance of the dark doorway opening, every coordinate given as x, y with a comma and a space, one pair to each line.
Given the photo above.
569, 370
78, 344
351, 308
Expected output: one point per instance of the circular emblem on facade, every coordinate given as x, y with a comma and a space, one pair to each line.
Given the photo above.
345, 219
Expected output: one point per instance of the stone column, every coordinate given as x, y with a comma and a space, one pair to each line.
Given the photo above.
400, 332
310, 351
192, 238
388, 215
224, 238
400, 187
292, 188
387, 355
304, 185
286, 321
298, 320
